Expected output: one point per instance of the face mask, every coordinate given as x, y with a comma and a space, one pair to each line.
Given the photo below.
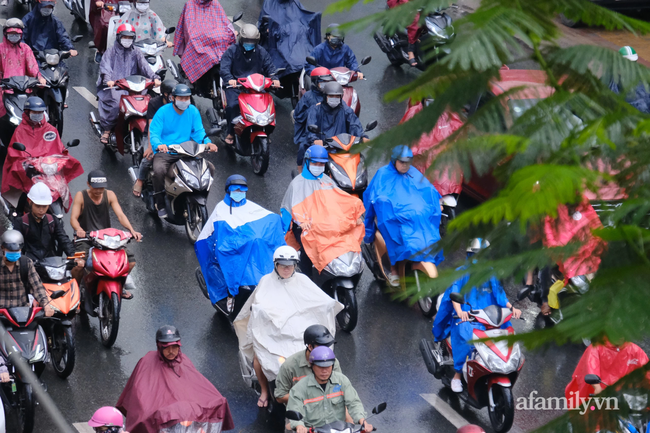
316, 171
14, 38
126, 43
36, 117
12, 256
142, 7
333, 101
182, 105
46, 12
335, 41
248, 46
238, 196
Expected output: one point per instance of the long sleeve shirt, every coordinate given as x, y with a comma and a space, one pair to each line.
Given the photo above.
13, 293
333, 121
236, 63
43, 33
44, 238
329, 57
169, 127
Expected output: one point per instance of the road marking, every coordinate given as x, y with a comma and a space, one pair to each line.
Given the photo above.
87, 95
445, 410
83, 427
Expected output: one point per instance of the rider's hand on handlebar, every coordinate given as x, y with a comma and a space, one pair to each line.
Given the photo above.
367, 427
319, 142
360, 75
42, 81
365, 139
137, 236
302, 429
74, 53
81, 233
305, 226
170, 44
211, 147
110, 83
148, 153
464, 316
80, 263
516, 313
276, 83
162, 148
232, 83
49, 311
4, 377
99, 4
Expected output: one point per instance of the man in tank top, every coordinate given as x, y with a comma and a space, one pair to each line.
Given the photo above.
91, 211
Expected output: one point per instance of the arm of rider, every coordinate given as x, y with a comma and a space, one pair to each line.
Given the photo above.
211, 147
597, 389
276, 83
112, 200
464, 316
77, 207
516, 312
110, 83
155, 133
41, 79
37, 289
198, 132
302, 429
4, 372
63, 240
156, 82
319, 142
367, 427
99, 4
232, 83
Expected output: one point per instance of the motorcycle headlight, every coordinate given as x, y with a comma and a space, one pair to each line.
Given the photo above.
52, 59
124, 8
636, 403
347, 265
260, 118
39, 354
57, 273
343, 78
205, 179
14, 119
130, 110
362, 177
49, 169
496, 364
340, 176
190, 179
110, 242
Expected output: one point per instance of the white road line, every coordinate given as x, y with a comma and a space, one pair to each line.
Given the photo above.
445, 410
83, 427
87, 95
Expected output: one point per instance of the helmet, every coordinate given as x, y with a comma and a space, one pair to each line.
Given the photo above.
126, 30
334, 30
627, 52
285, 255
182, 90
14, 25
13, 240
318, 335
321, 74
316, 153
168, 85
470, 428
236, 179
34, 103
249, 32
322, 356
477, 244
40, 194
333, 88
168, 335
107, 416
401, 153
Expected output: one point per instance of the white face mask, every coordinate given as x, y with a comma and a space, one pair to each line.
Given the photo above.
14, 38
316, 171
126, 43
46, 12
333, 101
142, 7
36, 117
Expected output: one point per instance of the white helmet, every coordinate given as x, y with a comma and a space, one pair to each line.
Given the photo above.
40, 194
477, 244
285, 255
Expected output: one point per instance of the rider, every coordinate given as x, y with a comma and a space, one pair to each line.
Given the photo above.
412, 30
297, 367
319, 76
119, 61
90, 212
147, 23
489, 293
44, 31
239, 61
107, 419
334, 52
407, 211
639, 97
203, 34
165, 386
323, 396
333, 117
174, 124
18, 277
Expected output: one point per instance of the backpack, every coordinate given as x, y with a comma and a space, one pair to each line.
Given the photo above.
24, 263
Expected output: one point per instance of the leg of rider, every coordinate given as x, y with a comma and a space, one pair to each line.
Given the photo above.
412, 33
460, 335
305, 263
109, 107
302, 148
161, 163
232, 108
129, 284
264, 384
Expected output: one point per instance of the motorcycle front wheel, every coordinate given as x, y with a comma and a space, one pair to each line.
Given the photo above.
196, 219
63, 352
109, 325
27, 407
503, 413
347, 318
260, 156
427, 304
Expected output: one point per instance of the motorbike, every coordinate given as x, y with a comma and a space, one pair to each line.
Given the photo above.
635, 402
79, 9
492, 369
152, 50
120, 9
230, 306
106, 272
337, 426
16, 91
56, 278
344, 77
255, 123
341, 277
128, 136
275, 411
438, 32
187, 185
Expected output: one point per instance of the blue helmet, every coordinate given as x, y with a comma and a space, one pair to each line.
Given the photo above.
236, 179
317, 153
401, 153
34, 103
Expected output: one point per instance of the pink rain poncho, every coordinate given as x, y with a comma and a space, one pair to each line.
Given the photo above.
16, 60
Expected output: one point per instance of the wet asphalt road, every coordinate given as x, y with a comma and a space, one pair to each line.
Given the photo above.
381, 356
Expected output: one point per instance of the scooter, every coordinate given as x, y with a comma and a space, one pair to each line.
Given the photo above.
106, 272
275, 410
121, 8
152, 50
634, 405
16, 91
337, 426
344, 77
376, 258
132, 122
229, 306
429, 48
80, 9
342, 276
55, 274
491, 370
187, 185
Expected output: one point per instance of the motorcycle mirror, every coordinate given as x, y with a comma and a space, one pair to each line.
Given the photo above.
170, 30
293, 415
19, 146
313, 128
91, 44
524, 292
65, 54
237, 17
366, 60
77, 38
457, 297
312, 61
592, 379
57, 294
73, 143
372, 125
379, 408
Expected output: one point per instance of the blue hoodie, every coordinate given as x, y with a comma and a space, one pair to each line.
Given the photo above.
42, 33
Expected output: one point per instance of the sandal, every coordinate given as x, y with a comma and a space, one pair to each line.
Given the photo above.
104, 138
262, 403
413, 62
127, 295
137, 188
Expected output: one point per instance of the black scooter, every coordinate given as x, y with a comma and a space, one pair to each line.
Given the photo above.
15, 103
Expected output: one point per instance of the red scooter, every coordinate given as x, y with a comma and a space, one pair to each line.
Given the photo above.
132, 121
491, 370
106, 272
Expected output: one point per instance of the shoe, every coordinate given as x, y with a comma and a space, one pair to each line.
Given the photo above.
456, 385
230, 304
162, 213
393, 280
98, 57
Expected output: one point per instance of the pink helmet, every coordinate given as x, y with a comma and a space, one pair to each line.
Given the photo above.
470, 428
106, 416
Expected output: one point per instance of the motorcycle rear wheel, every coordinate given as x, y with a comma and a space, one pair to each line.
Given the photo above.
503, 414
201, 280
136, 157
427, 304
110, 324
26, 408
198, 216
63, 357
260, 157
347, 318
56, 116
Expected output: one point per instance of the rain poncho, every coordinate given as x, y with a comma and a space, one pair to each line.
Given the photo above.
308, 100
329, 57
161, 394
607, 361
293, 32
333, 215
273, 320
16, 60
235, 247
407, 208
99, 19
43, 33
147, 25
203, 34
333, 121
450, 179
638, 97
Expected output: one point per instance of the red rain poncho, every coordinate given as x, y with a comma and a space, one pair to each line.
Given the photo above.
162, 393
413, 30
607, 361
449, 180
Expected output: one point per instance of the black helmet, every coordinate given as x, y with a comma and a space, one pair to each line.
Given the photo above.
34, 103
182, 90
334, 30
168, 86
167, 334
333, 88
13, 240
318, 335
236, 179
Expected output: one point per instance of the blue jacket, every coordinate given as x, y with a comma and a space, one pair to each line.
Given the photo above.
329, 57
42, 33
333, 121
308, 100
638, 98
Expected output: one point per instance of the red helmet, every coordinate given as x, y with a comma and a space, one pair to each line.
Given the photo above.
321, 74
126, 30
470, 428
